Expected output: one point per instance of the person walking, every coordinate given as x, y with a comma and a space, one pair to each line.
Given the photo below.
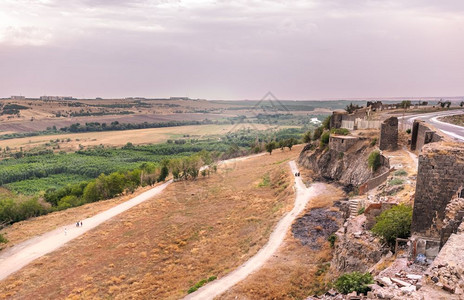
81, 223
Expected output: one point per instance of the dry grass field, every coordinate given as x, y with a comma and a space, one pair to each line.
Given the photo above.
161, 248
120, 138
293, 272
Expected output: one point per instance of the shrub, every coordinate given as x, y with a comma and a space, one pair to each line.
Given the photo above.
396, 181
332, 238
325, 138
361, 210
408, 131
373, 160
307, 136
326, 122
317, 133
200, 283
373, 142
340, 131
270, 146
401, 173
3, 239
394, 223
350, 282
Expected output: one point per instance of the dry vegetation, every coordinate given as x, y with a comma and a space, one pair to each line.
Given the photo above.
120, 138
162, 247
456, 120
296, 271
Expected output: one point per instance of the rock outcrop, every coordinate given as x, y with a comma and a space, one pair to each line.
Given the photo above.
349, 168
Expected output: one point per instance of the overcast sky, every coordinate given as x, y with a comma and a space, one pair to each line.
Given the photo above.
310, 49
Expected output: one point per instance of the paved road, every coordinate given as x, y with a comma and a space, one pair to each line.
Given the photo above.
303, 195
20, 255
453, 131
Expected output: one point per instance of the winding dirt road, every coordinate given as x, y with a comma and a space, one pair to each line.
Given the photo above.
20, 255
303, 196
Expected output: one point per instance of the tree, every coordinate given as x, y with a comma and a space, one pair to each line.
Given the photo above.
270, 146
325, 137
373, 161
317, 133
307, 136
462, 104
405, 104
326, 122
394, 223
351, 108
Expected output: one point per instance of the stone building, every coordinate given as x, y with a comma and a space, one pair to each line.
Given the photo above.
389, 134
342, 143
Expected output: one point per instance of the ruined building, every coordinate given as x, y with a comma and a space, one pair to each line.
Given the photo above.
389, 134
422, 134
439, 189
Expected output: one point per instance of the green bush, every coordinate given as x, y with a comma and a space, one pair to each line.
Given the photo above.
307, 136
200, 283
317, 133
408, 131
401, 173
394, 223
373, 160
361, 210
326, 122
340, 131
396, 181
325, 138
3, 239
350, 282
332, 238
373, 142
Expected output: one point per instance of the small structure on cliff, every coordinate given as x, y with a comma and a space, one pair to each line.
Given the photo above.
342, 143
389, 134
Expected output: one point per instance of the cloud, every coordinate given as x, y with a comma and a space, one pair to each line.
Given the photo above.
239, 49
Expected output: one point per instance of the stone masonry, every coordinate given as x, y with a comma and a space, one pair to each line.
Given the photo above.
389, 134
342, 143
422, 134
440, 176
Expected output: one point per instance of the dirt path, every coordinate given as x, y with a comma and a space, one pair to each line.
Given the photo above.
303, 195
20, 255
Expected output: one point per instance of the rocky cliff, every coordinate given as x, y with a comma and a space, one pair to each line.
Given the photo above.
349, 168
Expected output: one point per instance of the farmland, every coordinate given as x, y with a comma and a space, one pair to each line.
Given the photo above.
161, 248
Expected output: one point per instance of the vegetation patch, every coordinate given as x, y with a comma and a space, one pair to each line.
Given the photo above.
400, 173
373, 161
394, 223
396, 181
200, 283
354, 282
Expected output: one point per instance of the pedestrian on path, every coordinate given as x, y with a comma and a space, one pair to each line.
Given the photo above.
65, 231
81, 223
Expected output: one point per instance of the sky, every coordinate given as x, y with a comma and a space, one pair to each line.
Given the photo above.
299, 50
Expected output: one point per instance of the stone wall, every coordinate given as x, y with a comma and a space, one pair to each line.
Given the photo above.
422, 135
440, 175
376, 181
342, 143
389, 134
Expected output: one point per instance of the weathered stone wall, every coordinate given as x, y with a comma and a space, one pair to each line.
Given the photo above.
422, 135
342, 143
440, 175
389, 134
376, 181
337, 118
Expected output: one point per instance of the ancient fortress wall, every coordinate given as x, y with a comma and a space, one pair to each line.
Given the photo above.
440, 175
422, 134
389, 134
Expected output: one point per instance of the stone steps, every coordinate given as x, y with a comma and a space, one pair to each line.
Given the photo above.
354, 207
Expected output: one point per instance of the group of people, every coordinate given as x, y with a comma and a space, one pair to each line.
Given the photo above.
79, 224
297, 174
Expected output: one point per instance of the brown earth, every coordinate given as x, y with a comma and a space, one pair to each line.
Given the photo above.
161, 248
456, 120
296, 271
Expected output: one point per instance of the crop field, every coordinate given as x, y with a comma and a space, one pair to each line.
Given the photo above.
71, 141
163, 247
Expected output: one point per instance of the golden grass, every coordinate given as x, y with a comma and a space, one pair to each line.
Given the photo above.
160, 248
119, 138
292, 272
